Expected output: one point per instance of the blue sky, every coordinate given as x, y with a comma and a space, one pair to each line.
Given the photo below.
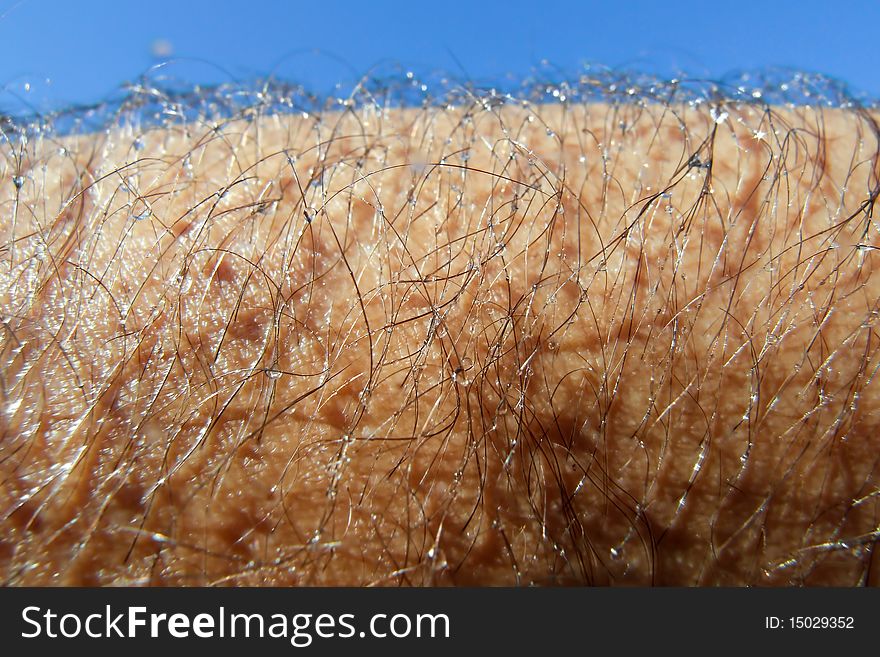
86, 49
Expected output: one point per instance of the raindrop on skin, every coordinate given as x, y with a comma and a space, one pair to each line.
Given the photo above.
18, 181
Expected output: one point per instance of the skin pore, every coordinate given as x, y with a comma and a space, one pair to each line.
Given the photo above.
601, 343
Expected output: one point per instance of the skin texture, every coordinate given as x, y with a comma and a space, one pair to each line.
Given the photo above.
479, 345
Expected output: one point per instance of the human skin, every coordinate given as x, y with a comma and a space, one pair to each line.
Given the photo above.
480, 345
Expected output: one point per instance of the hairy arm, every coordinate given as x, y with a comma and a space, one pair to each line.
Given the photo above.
475, 345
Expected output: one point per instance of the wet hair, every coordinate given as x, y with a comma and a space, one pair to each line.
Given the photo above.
602, 328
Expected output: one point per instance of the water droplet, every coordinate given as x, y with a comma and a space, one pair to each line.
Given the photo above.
138, 144
719, 117
18, 181
273, 374
141, 216
185, 282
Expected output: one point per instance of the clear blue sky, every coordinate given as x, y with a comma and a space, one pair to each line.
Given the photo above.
87, 48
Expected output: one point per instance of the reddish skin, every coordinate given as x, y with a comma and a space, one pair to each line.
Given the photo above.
461, 370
